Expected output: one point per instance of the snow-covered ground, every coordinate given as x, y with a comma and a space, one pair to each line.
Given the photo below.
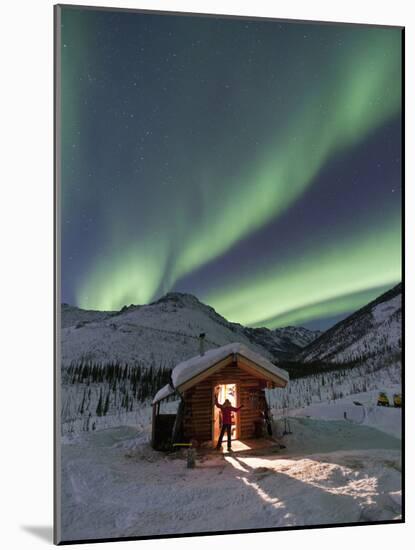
332, 471
360, 408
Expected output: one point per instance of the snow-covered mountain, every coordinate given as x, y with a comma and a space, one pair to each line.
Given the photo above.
282, 343
374, 330
298, 336
74, 316
164, 333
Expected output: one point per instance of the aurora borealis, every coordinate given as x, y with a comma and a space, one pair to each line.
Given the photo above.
255, 164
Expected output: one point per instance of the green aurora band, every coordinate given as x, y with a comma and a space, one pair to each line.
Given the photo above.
359, 92
322, 283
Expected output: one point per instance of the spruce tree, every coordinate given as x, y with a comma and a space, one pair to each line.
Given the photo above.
107, 403
99, 407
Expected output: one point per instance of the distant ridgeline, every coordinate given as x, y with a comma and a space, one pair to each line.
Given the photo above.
301, 369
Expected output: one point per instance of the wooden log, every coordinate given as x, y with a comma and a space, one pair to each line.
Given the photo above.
203, 400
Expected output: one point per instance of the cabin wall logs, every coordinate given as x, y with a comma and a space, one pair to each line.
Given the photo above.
199, 402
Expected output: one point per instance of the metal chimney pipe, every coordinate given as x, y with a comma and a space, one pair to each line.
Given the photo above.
202, 343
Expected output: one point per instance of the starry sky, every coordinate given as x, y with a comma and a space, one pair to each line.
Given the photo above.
253, 163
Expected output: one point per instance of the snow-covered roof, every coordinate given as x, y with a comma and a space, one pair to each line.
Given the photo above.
163, 393
190, 368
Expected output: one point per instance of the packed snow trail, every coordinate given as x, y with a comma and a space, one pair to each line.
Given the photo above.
386, 419
115, 485
325, 436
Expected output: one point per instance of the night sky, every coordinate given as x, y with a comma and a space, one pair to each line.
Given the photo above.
254, 164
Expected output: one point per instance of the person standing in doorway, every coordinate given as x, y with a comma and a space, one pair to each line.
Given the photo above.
227, 411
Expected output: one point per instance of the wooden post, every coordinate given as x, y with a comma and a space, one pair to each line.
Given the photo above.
191, 457
267, 415
156, 411
239, 413
178, 423
153, 426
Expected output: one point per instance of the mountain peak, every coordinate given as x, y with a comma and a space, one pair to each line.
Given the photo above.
182, 298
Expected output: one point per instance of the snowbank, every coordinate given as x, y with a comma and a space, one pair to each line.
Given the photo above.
360, 408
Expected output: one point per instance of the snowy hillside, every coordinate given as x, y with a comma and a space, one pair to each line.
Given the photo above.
298, 336
282, 343
374, 330
74, 316
164, 333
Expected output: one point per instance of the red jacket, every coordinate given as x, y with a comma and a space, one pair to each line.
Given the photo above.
227, 412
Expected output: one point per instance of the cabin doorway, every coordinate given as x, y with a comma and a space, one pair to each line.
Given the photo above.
223, 392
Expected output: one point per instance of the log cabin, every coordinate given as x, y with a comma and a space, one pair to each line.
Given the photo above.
231, 372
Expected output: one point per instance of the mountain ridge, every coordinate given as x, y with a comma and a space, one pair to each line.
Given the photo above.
177, 319
373, 329
166, 332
